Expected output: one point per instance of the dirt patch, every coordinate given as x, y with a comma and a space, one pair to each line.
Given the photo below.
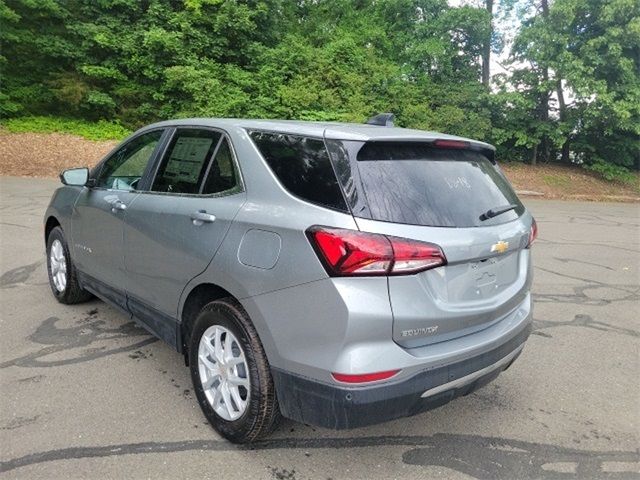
566, 182
46, 155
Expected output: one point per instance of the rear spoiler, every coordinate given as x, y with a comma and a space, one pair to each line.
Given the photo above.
386, 120
484, 149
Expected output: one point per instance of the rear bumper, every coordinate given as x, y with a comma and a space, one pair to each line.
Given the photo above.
331, 406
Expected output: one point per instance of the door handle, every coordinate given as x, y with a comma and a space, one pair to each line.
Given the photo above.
201, 216
118, 205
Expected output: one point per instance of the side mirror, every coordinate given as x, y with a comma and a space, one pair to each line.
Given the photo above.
78, 177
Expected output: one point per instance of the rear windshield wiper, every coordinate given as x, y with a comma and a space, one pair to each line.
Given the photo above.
494, 212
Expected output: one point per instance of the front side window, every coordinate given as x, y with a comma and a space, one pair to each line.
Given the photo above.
186, 162
124, 169
303, 167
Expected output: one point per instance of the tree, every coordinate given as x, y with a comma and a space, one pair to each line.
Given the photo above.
591, 48
486, 48
572, 93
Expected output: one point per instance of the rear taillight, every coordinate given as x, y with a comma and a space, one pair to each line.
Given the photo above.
533, 233
352, 253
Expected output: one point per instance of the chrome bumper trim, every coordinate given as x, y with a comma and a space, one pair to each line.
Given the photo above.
467, 379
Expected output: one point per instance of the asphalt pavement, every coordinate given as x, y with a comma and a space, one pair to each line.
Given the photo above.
84, 393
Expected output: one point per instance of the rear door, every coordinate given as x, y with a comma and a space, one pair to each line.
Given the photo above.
97, 222
173, 230
438, 195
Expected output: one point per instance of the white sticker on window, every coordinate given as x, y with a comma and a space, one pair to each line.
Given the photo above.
187, 158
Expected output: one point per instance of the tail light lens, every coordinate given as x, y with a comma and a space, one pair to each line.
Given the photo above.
533, 234
352, 253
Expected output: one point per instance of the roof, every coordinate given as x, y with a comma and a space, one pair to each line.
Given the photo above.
334, 130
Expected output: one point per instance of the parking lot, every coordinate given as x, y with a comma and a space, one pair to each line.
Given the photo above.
85, 393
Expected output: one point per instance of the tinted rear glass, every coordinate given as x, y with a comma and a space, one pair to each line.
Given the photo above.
303, 167
415, 184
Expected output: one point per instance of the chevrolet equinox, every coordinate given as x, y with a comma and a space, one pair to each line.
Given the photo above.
337, 274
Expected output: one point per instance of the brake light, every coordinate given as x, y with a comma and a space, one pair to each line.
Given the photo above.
364, 378
353, 253
457, 144
410, 256
533, 234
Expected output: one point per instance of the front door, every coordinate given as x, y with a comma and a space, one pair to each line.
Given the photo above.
173, 231
97, 221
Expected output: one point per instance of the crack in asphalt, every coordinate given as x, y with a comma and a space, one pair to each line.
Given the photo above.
474, 455
581, 320
86, 331
590, 244
624, 288
579, 297
583, 262
18, 275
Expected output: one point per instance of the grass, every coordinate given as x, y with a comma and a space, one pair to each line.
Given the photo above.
97, 131
555, 180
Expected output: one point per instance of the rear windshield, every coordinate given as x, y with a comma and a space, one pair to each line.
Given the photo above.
416, 184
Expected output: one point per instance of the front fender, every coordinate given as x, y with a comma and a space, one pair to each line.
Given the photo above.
61, 208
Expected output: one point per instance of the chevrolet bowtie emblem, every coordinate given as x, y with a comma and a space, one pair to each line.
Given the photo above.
500, 247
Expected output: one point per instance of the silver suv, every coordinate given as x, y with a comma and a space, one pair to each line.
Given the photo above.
338, 274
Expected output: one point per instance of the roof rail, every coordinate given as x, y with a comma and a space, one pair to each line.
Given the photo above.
382, 119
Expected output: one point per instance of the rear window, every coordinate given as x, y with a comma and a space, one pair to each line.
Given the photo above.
414, 183
303, 167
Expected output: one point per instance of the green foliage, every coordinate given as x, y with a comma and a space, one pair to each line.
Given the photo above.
100, 130
586, 52
611, 172
134, 62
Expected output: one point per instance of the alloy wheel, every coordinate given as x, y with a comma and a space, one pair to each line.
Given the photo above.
58, 266
224, 373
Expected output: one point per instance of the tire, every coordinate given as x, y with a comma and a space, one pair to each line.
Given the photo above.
252, 411
70, 292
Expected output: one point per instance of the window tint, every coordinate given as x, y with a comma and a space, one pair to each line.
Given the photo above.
123, 170
221, 175
303, 167
185, 163
419, 185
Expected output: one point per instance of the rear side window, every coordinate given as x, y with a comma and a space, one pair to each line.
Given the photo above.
221, 176
416, 184
303, 167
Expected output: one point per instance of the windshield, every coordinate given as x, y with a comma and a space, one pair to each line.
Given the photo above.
414, 183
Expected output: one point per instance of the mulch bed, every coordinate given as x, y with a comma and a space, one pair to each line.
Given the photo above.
47, 154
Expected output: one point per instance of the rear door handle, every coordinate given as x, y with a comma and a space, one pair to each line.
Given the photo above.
201, 216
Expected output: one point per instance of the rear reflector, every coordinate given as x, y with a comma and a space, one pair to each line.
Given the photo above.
365, 377
353, 253
457, 144
533, 234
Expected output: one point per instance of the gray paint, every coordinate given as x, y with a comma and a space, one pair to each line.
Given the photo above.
309, 324
260, 249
